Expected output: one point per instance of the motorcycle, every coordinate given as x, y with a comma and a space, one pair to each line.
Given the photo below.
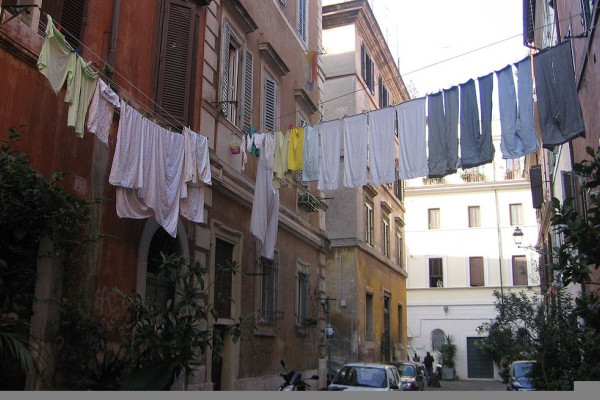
292, 381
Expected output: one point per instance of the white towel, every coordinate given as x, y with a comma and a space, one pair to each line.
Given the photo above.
382, 148
355, 150
197, 174
100, 113
264, 220
312, 154
412, 139
331, 142
127, 166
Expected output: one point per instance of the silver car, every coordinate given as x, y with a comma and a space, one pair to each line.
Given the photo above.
366, 376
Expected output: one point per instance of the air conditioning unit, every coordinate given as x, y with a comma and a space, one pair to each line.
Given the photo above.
308, 202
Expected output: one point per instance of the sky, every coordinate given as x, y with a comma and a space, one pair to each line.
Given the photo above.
442, 43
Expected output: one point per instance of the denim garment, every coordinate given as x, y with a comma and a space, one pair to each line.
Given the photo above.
443, 133
525, 124
476, 144
560, 115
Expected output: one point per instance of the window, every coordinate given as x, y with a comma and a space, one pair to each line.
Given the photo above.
434, 218
474, 217
399, 187
399, 244
383, 94
237, 68
437, 339
175, 71
513, 168
369, 223
303, 19
400, 325
268, 291
369, 318
302, 292
519, 271
158, 286
386, 237
367, 69
270, 104
516, 214
586, 15
476, 271
66, 14
436, 272
223, 278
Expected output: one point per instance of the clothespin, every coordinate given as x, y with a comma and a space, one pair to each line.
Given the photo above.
291, 126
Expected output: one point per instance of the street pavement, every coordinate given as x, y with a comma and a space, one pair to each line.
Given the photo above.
468, 385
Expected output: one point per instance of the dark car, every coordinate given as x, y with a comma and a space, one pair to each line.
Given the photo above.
519, 378
412, 375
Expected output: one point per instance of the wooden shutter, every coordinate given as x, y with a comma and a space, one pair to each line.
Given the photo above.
225, 42
476, 271
247, 95
68, 14
302, 19
528, 21
537, 189
270, 104
519, 270
176, 62
363, 62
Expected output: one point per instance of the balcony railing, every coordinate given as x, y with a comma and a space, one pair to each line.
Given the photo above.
434, 181
513, 174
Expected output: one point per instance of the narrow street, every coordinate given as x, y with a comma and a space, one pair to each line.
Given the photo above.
469, 385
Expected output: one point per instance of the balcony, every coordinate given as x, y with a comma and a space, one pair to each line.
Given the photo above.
433, 181
513, 174
472, 176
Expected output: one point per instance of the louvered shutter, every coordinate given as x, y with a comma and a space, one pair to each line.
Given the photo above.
225, 40
68, 14
537, 189
528, 21
72, 21
270, 104
302, 19
363, 64
247, 96
176, 62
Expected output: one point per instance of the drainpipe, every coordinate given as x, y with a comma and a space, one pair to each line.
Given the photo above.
499, 244
114, 32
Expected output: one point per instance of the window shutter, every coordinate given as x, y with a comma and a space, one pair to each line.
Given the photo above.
225, 39
72, 21
537, 189
247, 88
69, 14
302, 19
270, 104
363, 64
176, 62
528, 21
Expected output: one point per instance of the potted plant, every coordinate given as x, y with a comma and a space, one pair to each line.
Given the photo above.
448, 350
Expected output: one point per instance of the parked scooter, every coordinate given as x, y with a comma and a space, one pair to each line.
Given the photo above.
292, 381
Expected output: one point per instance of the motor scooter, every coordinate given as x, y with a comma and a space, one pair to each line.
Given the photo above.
292, 381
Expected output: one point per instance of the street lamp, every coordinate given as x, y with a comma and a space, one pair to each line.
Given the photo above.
518, 236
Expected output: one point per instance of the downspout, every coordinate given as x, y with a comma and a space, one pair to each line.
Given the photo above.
113, 34
499, 244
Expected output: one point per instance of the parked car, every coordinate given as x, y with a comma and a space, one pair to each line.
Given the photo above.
366, 376
519, 376
412, 375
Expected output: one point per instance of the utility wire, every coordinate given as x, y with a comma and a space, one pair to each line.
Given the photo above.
156, 115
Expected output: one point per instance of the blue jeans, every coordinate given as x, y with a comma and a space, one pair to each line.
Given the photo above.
428, 373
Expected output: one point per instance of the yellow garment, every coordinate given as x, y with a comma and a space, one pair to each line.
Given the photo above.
296, 149
281, 172
81, 84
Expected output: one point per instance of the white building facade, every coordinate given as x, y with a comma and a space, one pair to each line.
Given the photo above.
459, 249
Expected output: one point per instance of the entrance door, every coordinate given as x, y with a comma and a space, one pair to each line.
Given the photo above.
217, 356
478, 364
386, 328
